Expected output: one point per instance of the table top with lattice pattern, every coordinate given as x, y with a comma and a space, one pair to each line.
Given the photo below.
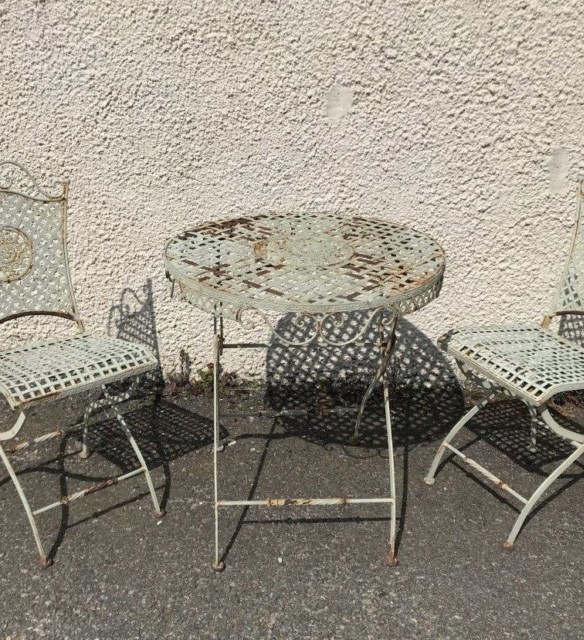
305, 263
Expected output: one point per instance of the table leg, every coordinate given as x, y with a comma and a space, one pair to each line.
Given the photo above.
386, 351
218, 564
386, 348
391, 559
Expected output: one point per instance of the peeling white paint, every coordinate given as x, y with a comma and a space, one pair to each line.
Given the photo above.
559, 171
338, 102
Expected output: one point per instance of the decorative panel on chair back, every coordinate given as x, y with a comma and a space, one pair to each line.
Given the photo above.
569, 298
34, 272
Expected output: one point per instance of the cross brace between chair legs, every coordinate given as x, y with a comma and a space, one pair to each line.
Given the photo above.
574, 438
108, 401
485, 472
59, 433
65, 500
110, 482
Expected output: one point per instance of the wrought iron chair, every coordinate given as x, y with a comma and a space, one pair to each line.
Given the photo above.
35, 280
530, 363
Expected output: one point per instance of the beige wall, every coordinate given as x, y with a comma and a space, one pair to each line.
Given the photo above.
463, 119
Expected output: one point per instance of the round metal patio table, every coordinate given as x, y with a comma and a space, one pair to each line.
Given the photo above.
320, 267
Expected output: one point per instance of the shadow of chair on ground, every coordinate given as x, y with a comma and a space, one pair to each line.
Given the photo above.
162, 429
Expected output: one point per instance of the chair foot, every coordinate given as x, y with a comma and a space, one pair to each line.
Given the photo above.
84, 453
429, 481
508, 546
391, 560
355, 440
45, 562
160, 514
218, 567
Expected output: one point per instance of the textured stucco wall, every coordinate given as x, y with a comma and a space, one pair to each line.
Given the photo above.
463, 119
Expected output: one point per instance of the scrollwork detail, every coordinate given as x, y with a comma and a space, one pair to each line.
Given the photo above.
16, 254
319, 326
14, 178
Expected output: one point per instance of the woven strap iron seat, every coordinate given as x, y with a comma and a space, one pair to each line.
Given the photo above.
35, 280
66, 365
532, 364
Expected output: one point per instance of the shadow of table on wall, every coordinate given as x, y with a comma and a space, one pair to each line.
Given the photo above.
425, 395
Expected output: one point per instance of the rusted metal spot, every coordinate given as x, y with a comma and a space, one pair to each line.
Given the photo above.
101, 485
285, 502
260, 248
249, 283
274, 291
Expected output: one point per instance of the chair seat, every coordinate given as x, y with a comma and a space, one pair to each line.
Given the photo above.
66, 365
530, 362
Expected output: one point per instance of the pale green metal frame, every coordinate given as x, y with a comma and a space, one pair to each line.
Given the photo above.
484, 366
20, 195
319, 267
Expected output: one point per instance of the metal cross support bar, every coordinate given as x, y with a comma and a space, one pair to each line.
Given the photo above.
305, 502
110, 482
485, 472
60, 433
385, 344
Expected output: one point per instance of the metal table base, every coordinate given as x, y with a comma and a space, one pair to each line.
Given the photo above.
386, 343
321, 267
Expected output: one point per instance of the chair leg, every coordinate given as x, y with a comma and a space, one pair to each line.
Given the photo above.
429, 479
533, 429
509, 543
158, 512
44, 560
85, 450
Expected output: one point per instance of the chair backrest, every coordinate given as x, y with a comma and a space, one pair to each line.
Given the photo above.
34, 271
569, 297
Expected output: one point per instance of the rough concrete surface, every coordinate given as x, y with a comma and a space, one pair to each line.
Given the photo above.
462, 119
291, 572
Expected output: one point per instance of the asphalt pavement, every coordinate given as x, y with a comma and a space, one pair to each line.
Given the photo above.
291, 572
